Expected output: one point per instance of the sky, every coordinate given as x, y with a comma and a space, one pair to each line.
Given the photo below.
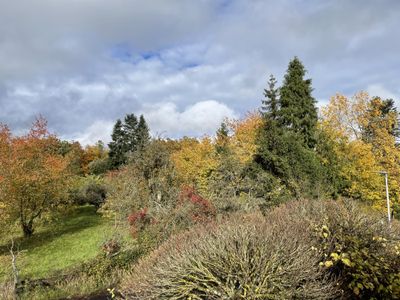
184, 64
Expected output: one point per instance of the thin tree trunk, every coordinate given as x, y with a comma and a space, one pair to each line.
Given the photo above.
14, 268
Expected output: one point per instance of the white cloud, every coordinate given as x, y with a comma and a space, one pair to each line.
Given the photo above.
99, 130
80, 62
204, 117
380, 91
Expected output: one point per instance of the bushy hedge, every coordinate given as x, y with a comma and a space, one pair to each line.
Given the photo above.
300, 250
247, 257
359, 248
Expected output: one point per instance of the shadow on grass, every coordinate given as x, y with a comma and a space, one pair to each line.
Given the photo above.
80, 218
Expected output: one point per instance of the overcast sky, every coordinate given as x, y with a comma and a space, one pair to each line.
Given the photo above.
184, 64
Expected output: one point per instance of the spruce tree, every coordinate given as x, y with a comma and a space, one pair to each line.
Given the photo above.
142, 134
130, 128
286, 140
127, 138
271, 103
117, 146
297, 106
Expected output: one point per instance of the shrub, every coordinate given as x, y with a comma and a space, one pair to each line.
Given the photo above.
148, 180
138, 221
359, 248
89, 190
299, 250
111, 247
99, 166
200, 209
246, 257
7, 290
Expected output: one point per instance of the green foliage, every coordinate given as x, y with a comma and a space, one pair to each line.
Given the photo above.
297, 111
360, 249
148, 181
288, 141
89, 190
127, 137
271, 103
117, 147
222, 140
142, 132
282, 154
99, 166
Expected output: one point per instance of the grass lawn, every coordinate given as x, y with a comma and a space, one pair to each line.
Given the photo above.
75, 237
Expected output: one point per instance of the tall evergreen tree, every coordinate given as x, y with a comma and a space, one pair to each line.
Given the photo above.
270, 105
287, 138
127, 137
117, 146
142, 133
297, 106
130, 128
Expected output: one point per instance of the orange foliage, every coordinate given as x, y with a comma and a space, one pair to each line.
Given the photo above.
34, 176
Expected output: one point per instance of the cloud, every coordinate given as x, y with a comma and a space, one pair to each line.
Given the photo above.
380, 91
99, 130
203, 117
84, 63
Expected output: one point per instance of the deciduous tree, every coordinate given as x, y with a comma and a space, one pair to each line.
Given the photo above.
33, 176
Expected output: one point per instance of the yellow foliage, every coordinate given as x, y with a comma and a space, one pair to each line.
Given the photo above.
243, 141
195, 160
348, 122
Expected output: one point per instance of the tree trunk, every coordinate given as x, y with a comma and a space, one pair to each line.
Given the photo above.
27, 228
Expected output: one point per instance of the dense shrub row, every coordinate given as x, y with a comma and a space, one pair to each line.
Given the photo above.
301, 250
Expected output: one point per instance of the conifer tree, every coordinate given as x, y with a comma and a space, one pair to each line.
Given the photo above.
271, 103
286, 140
297, 106
127, 137
142, 133
117, 146
130, 128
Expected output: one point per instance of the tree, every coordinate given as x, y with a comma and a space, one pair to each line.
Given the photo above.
244, 136
363, 133
297, 106
148, 181
143, 135
34, 177
222, 139
195, 162
271, 103
117, 146
287, 138
130, 134
95, 159
76, 155
127, 138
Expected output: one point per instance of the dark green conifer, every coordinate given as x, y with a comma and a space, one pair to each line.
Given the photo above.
297, 106
130, 128
142, 134
117, 146
270, 104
